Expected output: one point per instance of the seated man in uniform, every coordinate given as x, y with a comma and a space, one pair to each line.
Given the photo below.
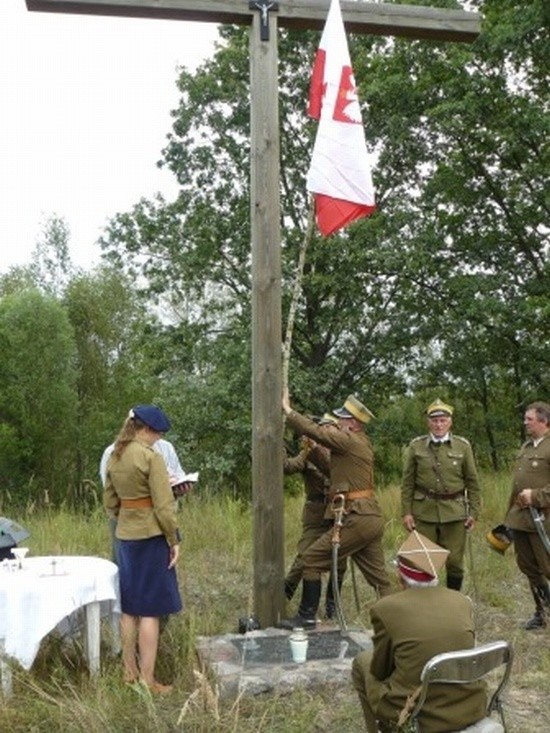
409, 628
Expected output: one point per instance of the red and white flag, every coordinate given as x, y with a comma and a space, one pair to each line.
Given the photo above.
340, 171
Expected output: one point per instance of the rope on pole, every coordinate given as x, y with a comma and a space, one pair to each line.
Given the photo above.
297, 292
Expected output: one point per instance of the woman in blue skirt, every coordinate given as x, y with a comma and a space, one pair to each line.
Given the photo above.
139, 497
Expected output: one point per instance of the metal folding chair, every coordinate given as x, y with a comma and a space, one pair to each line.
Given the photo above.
469, 665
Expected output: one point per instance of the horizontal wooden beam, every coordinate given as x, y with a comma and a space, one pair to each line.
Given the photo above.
411, 21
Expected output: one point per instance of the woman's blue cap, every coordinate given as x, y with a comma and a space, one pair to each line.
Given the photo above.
152, 416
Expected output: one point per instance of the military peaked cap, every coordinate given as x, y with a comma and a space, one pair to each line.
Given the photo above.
353, 408
439, 409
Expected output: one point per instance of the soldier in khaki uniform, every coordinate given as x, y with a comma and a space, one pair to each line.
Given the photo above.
351, 475
440, 493
313, 462
531, 487
409, 629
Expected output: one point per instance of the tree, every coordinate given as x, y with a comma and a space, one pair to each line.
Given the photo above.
37, 396
454, 263
113, 372
465, 133
51, 264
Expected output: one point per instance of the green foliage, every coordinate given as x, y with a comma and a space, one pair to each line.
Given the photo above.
463, 130
51, 260
113, 367
37, 393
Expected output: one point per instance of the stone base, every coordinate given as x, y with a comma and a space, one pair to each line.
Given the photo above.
260, 661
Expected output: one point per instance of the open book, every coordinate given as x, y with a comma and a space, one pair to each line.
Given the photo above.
184, 483
184, 478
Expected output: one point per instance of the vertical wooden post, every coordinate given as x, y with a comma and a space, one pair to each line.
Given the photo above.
267, 424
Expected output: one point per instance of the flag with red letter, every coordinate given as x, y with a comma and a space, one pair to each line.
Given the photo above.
340, 174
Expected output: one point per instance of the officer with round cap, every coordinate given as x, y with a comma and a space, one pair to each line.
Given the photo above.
409, 628
352, 486
440, 492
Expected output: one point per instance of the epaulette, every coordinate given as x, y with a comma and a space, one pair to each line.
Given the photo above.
459, 437
420, 437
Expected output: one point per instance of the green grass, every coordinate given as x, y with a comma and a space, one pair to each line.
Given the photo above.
215, 572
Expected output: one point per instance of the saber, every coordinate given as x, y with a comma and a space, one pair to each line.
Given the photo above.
469, 546
355, 589
538, 520
338, 507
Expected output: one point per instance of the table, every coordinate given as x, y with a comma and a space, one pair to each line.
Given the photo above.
39, 597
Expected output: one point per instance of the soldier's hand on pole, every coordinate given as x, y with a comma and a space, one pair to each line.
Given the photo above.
525, 498
469, 523
286, 401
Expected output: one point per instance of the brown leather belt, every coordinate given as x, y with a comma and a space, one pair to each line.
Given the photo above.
317, 499
143, 502
437, 496
352, 495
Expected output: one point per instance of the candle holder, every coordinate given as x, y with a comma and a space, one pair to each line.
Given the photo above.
19, 553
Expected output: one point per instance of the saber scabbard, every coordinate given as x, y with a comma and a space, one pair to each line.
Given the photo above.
538, 520
338, 507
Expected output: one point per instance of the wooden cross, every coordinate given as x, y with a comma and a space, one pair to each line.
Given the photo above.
360, 17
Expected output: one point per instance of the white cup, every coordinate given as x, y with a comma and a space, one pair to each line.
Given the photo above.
298, 646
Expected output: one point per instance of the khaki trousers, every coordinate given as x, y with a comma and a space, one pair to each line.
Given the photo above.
531, 557
361, 539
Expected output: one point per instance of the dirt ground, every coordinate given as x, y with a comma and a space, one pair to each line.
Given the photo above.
527, 707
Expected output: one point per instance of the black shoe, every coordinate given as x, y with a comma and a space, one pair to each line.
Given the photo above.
330, 610
297, 622
538, 621
454, 582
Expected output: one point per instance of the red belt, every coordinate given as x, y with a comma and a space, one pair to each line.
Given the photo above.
143, 502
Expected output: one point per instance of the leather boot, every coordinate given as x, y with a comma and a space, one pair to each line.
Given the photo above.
330, 604
454, 582
537, 621
541, 595
305, 618
544, 594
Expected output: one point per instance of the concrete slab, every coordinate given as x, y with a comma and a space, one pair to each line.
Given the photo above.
260, 662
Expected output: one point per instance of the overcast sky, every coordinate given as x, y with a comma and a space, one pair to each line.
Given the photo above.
84, 112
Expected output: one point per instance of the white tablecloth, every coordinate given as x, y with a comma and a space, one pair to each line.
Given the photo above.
33, 601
